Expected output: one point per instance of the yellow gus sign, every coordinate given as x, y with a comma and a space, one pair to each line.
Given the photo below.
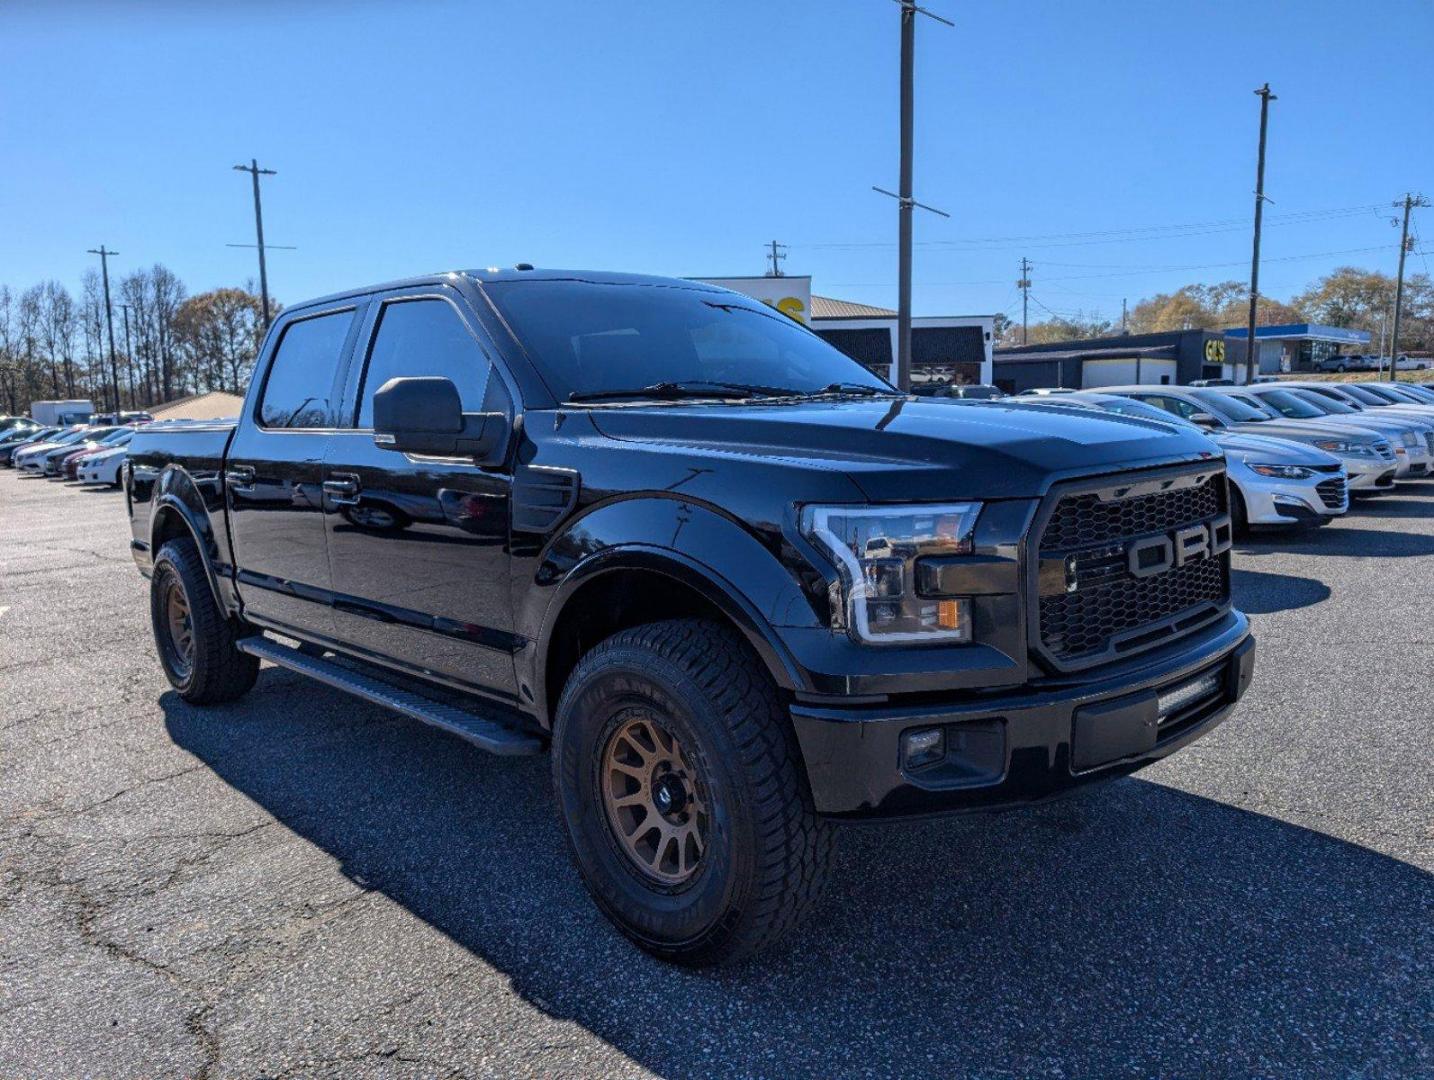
1215, 351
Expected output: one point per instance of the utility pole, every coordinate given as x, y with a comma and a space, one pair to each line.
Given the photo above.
901, 375
1122, 316
775, 256
1025, 284
1410, 202
255, 172
104, 255
1263, 93
129, 355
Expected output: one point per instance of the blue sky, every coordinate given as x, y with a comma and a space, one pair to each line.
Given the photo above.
678, 137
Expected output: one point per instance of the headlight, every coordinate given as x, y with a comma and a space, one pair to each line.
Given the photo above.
887, 561
1339, 446
1284, 472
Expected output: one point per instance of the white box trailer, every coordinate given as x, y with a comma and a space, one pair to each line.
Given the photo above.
56, 413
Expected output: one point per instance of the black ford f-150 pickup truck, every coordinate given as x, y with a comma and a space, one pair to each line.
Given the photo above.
742, 587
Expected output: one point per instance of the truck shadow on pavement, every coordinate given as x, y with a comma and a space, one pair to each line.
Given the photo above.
1136, 929
1341, 540
1259, 593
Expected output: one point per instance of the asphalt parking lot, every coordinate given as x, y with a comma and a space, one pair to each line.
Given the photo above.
304, 885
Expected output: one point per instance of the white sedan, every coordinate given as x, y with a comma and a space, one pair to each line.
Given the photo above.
103, 468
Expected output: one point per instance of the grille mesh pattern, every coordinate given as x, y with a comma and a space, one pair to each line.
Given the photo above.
1332, 492
1083, 520
1080, 625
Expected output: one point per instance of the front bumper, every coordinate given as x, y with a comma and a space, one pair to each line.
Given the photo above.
1270, 501
1025, 745
1370, 474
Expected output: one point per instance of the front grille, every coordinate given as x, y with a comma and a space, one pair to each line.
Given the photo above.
1084, 521
1090, 606
1332, 493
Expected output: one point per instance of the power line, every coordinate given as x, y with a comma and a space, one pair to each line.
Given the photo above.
1125, 273
1126, 234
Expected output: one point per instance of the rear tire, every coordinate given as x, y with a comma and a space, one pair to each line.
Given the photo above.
194, 639
671, 731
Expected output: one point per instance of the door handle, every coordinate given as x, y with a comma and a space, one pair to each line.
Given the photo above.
240, 478
342, 489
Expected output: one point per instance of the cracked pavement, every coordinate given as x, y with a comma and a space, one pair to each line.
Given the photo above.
303, 885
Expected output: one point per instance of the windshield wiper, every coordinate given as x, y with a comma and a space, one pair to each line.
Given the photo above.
685, 388
860, 389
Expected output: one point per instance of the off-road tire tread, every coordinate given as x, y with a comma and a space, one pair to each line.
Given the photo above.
796, 847
221, 672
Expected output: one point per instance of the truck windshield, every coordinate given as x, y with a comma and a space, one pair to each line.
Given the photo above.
1226, 406
592, 339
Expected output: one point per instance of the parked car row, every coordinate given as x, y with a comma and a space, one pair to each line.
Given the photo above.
90, 453
1296, 452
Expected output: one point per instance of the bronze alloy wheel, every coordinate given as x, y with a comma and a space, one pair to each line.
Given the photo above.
656, 803
181, 628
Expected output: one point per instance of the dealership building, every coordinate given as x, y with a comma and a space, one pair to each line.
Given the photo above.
944, 348
1170, 358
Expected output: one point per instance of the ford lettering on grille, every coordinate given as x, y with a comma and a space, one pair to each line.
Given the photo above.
1125, 567
1152, 555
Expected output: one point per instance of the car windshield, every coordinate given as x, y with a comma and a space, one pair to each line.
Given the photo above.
1287, 404
1224, 405
1402, 394
1321, 401
593, 339
1388, 393
1131, 407
1360, 394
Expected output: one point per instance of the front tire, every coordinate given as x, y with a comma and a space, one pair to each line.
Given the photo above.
684, 802
1239, 516
194, 638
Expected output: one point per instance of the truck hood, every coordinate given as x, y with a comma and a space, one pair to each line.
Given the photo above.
912, 448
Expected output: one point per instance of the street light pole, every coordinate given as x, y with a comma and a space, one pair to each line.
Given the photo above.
104, 255
255, 172
1250, 344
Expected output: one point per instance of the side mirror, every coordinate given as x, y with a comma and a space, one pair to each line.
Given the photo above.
1204, 419
425, 416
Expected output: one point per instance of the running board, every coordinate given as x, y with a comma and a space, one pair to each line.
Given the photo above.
486, 734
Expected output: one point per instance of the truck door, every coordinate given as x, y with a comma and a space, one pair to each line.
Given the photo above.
418, 546
274, 471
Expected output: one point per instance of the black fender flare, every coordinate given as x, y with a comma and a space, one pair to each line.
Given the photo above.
718, 558
177, 495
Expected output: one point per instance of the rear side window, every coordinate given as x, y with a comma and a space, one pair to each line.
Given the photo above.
301, 377
423, 338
